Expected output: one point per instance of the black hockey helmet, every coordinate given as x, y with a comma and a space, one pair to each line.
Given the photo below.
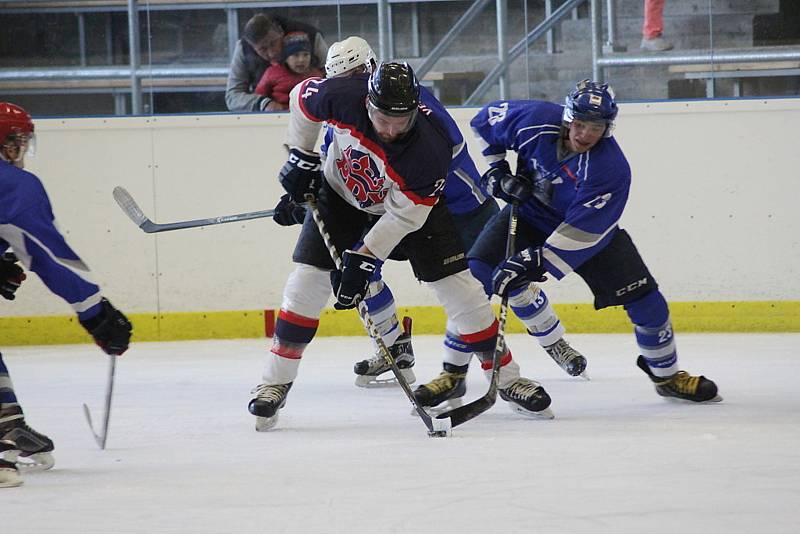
394, 89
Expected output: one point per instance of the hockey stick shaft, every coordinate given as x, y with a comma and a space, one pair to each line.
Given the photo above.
101, 438
366, 319
132, 210
473, 409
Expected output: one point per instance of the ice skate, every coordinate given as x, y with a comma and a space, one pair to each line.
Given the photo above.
9, 474
527, 397
682, 385
569, 359
266, 403
370, 369
444, 392
32, 448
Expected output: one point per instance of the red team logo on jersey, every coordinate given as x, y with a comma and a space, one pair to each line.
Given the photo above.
361, 177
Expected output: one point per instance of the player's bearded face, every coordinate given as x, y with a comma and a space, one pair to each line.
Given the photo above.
583, 135
390, 128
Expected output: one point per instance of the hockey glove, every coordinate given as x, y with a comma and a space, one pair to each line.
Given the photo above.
300, 174
288, 212
351, 283
110, 329
518, 271
11, 275
499, 182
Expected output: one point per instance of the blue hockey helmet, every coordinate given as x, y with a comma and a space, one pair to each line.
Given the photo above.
592, 102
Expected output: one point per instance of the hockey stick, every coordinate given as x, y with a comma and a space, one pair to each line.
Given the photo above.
101, 438
132, 210
478, 406
437, 428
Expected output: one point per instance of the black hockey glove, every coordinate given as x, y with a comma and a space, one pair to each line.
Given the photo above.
288, 212
11, 275
110, 329
499, 182
351, 283
300, 174
518, 271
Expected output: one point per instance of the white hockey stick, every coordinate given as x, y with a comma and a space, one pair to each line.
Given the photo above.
101, 438
132, 210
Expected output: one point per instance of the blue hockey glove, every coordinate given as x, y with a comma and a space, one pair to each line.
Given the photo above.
499, 182
110, 329
300, 174
11, 275
288, 212
351, 283
518, 271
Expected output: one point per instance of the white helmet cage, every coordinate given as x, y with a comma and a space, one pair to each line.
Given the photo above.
348, 54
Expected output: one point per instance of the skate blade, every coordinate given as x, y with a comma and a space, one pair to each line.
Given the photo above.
439, 409
369, 381
543, 415
678, 400
265, 423
35, 463
584, 376
10, 478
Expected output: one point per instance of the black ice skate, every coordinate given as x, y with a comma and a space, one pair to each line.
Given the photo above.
33, 447
265, 405
370, 369
527, 397
9, 474
448, 387
682, 385
569, 359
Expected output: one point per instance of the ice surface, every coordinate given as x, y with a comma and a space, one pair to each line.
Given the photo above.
183, 457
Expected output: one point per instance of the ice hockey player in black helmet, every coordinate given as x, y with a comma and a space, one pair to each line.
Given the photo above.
377, 189
393, 100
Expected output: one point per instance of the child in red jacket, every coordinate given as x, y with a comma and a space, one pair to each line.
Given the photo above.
279, 79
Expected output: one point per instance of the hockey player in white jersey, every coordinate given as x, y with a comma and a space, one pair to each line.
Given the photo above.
28, 236
380, 185
572, 182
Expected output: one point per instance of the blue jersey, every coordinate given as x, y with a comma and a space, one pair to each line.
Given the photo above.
462, 192
27, 225
578, 199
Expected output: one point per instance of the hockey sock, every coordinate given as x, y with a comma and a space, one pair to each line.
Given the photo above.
383, 311
7, 395
653, 329
292, 334
533, 308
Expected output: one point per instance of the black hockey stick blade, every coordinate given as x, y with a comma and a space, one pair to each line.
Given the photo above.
132, 210
468, 411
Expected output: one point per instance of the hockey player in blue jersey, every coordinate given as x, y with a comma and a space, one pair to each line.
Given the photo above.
381, 181
572, 183
28, 236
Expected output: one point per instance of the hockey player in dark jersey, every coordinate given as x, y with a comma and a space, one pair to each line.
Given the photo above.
572, 181
381, 181
28, 236
471, 209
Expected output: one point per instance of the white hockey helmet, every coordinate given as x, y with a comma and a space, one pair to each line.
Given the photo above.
348, 54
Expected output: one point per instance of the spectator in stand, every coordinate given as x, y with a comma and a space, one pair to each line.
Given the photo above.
653, 27
280, 78
260, 46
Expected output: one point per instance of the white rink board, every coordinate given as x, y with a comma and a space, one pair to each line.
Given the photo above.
711, 207
183, 456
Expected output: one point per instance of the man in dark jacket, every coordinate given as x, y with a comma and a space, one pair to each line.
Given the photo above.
261, 44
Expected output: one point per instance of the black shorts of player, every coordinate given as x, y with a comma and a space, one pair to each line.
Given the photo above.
616, 275
434, 250
469, 225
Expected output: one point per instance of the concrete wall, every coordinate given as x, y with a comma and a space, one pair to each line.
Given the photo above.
711, 208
